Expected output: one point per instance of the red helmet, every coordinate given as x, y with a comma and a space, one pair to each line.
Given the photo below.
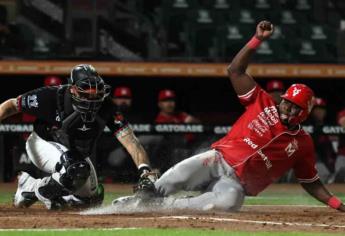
122, 92
166, 94
274, 85
320, 102
52, 81
302, 96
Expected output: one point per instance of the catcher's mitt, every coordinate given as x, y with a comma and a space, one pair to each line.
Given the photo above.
146, 184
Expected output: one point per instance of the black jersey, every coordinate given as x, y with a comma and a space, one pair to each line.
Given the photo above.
57, 121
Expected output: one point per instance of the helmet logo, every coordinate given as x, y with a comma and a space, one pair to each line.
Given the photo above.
92, 68
295, 91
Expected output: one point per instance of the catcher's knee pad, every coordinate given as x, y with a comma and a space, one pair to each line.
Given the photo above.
77, 171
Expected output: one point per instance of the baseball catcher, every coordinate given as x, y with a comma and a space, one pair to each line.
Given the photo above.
70, 119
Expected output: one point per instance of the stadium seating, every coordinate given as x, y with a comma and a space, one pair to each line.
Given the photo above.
310, 51
174, 16
208, 30
231, 38
200, 25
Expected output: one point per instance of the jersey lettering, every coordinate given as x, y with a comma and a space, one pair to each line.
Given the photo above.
291, 147
32, 101
261, 149
265, 159
250, 143
264, 120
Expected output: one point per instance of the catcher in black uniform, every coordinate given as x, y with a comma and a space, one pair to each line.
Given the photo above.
70, 119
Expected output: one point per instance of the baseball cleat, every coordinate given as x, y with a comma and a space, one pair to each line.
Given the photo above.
125, 200
134, 202
25, 195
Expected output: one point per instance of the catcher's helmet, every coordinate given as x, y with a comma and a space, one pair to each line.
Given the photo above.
89, 91
302, 96
52, 81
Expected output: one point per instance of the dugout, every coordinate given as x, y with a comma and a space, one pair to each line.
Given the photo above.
202, 90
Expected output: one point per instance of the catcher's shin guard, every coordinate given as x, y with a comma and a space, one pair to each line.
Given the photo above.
77, 171
50, 192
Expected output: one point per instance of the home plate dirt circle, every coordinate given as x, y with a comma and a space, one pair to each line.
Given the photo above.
250, 218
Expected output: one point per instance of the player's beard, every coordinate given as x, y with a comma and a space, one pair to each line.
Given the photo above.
289, 121
284, 119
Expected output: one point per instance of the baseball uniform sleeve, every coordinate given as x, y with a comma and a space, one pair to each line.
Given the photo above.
304, 167
340, 116
160, 118
183, 117
250, 97
40, 102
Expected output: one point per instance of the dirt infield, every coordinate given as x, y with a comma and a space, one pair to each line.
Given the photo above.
250, 218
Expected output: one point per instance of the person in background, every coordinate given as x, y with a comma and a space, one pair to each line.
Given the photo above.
339, 170
169, 115
275, 88
122, 98
118, 158
325, 153
52, 80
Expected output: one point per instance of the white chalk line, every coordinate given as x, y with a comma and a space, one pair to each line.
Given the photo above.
216, 219
69, 229
287, 205
251, 221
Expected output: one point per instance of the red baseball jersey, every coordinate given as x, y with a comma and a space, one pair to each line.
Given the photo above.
261, 149
179, 117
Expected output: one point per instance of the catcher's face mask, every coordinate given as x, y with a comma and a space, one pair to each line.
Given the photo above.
88, 95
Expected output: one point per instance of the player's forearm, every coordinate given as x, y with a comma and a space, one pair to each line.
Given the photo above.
134, 147
319, 191
138, 153
8, 108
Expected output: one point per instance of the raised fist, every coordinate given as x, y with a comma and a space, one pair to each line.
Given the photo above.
264, 30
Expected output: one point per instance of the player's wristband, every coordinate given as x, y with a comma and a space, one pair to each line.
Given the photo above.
254, 43
143, 168
334, 202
